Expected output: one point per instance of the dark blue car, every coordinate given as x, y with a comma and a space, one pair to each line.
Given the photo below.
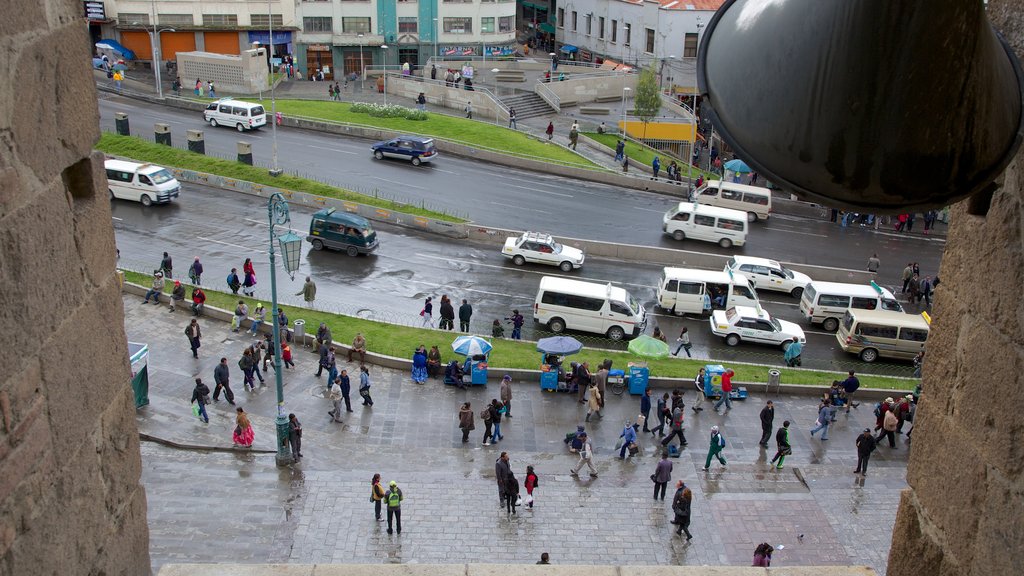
416, 149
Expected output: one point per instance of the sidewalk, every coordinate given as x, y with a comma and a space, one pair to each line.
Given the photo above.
207, 507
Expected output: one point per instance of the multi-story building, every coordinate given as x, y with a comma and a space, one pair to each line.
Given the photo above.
348, 35
635, 32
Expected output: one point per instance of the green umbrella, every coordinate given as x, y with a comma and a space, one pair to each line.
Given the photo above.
648, 347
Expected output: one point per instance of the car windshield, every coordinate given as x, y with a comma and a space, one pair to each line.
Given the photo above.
634, 305
787, 272
556, 247
775, 324
161, 176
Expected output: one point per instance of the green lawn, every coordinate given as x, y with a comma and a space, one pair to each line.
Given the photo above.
401, 341
479, 134
141, 150
644, 155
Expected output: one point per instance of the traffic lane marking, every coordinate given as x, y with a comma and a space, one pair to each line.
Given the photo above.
332, 149
520, 208
784, 231
538, 273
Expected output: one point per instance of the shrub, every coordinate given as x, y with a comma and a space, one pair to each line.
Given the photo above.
388, 111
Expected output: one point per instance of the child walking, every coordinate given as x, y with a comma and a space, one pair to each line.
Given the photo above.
531, 483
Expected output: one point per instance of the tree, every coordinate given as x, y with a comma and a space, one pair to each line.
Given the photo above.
647, 102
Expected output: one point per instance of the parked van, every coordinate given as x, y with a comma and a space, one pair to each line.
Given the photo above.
754, 200
871, 334
240, 115
588, 307
146, 183
341, 231
691, 291
825, 303
768, 274
709, 223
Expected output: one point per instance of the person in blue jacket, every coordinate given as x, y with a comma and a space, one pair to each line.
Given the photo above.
628, 437
645, 408
656, 166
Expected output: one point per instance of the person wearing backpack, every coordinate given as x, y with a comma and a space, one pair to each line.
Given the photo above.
485, 416
715, 449
394, 499
889, 424
233, 282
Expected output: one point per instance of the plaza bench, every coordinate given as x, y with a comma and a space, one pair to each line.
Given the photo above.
597, 110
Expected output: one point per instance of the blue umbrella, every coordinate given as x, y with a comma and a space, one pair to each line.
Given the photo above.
560, 345
737, 165
471, 346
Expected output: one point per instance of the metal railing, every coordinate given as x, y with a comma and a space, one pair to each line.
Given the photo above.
549, 96
675, 106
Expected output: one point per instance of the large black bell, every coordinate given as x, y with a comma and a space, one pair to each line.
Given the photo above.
880, 105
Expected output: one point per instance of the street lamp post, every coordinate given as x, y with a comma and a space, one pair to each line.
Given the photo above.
291, 245
497, 103
437, 38
625, 90
154, 43
362, 69
274, 170
384, 47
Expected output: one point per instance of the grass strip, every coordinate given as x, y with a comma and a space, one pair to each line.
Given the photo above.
401, 341
472, 132
138, 149
644, 154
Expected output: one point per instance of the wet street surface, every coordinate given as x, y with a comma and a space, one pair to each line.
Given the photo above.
239, 507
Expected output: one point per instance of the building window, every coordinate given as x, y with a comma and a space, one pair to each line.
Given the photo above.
487, 25
408, 24
628, 29
129, 18
561, 18
573, 20
615, 31
600, 27
458, 1
317, 24
355, 25
650, 41
261, 20
590, 20
175, 19
220, 20
458, 26
690, 46
506, 23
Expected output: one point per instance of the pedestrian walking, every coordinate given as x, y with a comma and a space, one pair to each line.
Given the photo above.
512, 498
241, 313
358, 347
865, 446
286, 355
221, 377
308, 291
364, 386
926, 290
485, 416
874, 263
530, 483
502, 471
466, 421
336, 400
782, 441
887, 422
211, 88
394, 499
469, 110
246, 364
593, 401
198, 301
792, 354
656, 166
377, 494
676, 428
497, 409
194, 334
506, 395
664, 413
259, 315
295, 436
344, 385
447, 313
200, 397
698, 382
195, 271
517, 324
850, 386
176, 87
233, 281
627, 439
908, 273
717, 444
586, 454
824, 419
156, 288
683, 342
243, 434
550, 130
249, 283
726, 391
199, 88
645, 407
257, 357
337, 92
427, 313
620, 148
465, 313
166, 266
767, 418
681, 506
512, 119
662, 475
574, 136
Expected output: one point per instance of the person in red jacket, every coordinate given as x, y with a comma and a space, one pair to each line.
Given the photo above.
726, 389
198, 301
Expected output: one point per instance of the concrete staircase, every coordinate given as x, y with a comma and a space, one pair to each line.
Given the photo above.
527, 105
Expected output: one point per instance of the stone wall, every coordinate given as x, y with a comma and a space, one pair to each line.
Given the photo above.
964, 511
70, 498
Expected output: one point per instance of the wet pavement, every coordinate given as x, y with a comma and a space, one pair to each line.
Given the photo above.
239, 507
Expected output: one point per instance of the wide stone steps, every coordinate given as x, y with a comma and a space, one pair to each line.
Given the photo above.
528, 105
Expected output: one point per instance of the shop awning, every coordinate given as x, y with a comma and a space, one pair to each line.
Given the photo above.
569, 49
529, 5
116, 47
547, 27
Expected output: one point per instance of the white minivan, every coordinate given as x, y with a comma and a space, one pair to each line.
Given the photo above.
234, 113
709, 223
588, 307
769, 275
146, 183
754, 200
691, 291
826, 303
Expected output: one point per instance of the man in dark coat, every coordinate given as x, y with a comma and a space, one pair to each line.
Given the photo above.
865, 446
447, 314
767, 417
502, 472
220, 378
465, 313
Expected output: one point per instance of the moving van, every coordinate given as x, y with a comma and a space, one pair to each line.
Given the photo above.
588, 307
871, 334
825, 303
754, 200
723, 226
692, 291
146, 183
234, 113
341, 231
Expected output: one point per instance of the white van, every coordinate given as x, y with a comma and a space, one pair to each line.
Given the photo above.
240, 115
826, 303
754, 200
692, 291
709, 223
146, 183
872, 334
768, 274
588, 307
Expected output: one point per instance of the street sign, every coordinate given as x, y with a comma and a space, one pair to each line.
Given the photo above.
94, 10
